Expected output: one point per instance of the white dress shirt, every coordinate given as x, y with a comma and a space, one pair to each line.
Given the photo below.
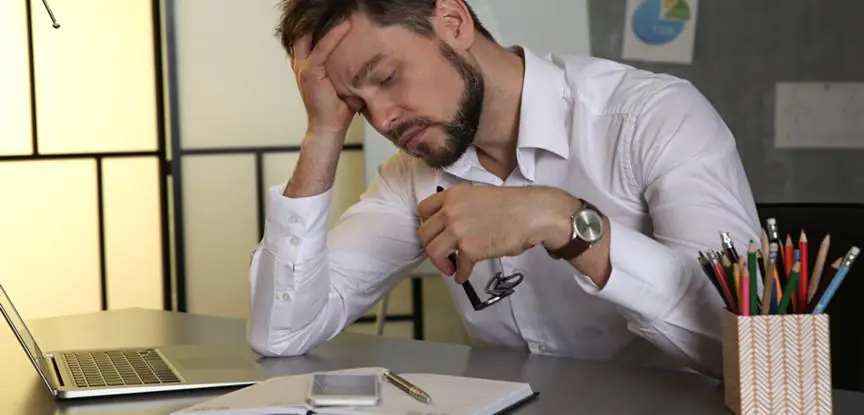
647, 149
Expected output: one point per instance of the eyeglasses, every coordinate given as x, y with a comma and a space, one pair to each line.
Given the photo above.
499, 287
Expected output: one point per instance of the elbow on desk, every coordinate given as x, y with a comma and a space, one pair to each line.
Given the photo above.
280, 343
265, 346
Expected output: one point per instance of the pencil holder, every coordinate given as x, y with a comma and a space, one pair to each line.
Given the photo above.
775, 364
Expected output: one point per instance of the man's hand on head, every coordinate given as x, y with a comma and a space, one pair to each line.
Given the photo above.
328, 114
484, 222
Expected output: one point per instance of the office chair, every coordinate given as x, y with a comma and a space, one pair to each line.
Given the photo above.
416, 317
845, 225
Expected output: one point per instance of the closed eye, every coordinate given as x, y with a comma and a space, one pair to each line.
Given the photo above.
388, 79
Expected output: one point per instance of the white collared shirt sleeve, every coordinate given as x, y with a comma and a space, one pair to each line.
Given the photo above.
307, 284
684, 162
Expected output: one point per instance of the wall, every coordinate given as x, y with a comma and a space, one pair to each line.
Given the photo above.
80, 223
743, 48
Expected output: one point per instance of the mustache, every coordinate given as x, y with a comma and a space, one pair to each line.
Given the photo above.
396, 132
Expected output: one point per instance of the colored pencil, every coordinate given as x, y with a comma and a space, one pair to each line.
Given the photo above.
741, 270
723, 280
753, 278
768, 285
818, 267
788, 293
804, 277
836, 281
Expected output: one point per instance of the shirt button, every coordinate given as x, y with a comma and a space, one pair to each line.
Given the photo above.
286, 297
543, 348
293, 220
293, 241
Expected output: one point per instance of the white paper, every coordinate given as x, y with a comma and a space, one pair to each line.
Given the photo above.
452, 395
819, 115
660, 30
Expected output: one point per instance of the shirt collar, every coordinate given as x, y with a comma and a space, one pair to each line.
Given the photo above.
542, 116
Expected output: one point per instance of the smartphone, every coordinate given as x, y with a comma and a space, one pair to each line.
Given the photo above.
343, 389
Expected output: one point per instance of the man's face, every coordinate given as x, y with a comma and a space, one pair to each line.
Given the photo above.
416, 91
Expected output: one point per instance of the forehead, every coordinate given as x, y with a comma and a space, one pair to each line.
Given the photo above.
365, 39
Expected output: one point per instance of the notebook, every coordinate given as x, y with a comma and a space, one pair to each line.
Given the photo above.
451, 395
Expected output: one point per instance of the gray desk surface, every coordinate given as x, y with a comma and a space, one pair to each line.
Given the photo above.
565, 385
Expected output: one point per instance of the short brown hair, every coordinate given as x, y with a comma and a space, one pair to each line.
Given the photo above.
300, 17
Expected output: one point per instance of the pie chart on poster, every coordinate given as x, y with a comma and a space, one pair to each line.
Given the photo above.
658, 22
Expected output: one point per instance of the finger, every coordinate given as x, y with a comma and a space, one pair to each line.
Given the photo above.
302, 48
328, 43
439, 250
430, 228
464, 267
430, 206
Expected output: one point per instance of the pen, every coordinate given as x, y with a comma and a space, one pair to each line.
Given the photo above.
407, 387
729, 246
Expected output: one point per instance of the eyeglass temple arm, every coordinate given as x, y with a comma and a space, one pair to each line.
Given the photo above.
469, 289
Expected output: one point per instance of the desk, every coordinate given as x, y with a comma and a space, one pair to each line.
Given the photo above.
565, 385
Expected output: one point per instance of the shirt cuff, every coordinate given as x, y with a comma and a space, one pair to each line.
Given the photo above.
646, 281
296, 228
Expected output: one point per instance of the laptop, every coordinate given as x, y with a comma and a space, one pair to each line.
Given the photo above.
122, 371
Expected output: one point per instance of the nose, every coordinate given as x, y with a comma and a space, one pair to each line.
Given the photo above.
383, 113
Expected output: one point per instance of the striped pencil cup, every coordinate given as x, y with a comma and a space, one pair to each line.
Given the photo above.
777, 364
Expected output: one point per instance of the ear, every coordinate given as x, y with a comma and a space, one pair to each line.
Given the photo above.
453, 23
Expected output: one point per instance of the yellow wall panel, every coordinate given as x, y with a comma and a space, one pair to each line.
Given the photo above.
349, 184
133, 244
220, 225
247, 77
95, 81
49, 243
15, 130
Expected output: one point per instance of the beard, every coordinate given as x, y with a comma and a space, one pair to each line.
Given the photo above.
461, 129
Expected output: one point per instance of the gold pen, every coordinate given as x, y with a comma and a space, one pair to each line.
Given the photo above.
407, 387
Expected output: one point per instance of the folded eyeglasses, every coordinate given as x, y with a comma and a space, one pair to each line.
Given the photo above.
498, 287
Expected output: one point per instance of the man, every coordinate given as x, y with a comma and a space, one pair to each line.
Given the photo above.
521, 144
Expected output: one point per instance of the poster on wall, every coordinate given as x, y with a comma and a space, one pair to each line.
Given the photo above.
660, 30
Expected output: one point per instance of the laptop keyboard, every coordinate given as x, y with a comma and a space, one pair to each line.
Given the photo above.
118, 368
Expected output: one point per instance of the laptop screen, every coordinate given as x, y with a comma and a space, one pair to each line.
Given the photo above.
23, 334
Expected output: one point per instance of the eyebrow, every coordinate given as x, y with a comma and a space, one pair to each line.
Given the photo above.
366, 69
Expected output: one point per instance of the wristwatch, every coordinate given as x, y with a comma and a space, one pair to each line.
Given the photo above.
587, 229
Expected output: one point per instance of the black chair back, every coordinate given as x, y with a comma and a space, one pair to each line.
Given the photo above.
845, 224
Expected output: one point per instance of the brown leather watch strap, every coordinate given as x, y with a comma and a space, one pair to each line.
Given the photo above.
576, 246
570, 250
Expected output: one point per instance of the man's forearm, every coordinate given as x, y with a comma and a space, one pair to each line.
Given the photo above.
316, 167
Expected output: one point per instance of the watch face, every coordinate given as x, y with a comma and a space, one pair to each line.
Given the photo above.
588, 225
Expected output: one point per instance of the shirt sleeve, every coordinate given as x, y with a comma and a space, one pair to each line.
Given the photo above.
685, 165
308, 283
